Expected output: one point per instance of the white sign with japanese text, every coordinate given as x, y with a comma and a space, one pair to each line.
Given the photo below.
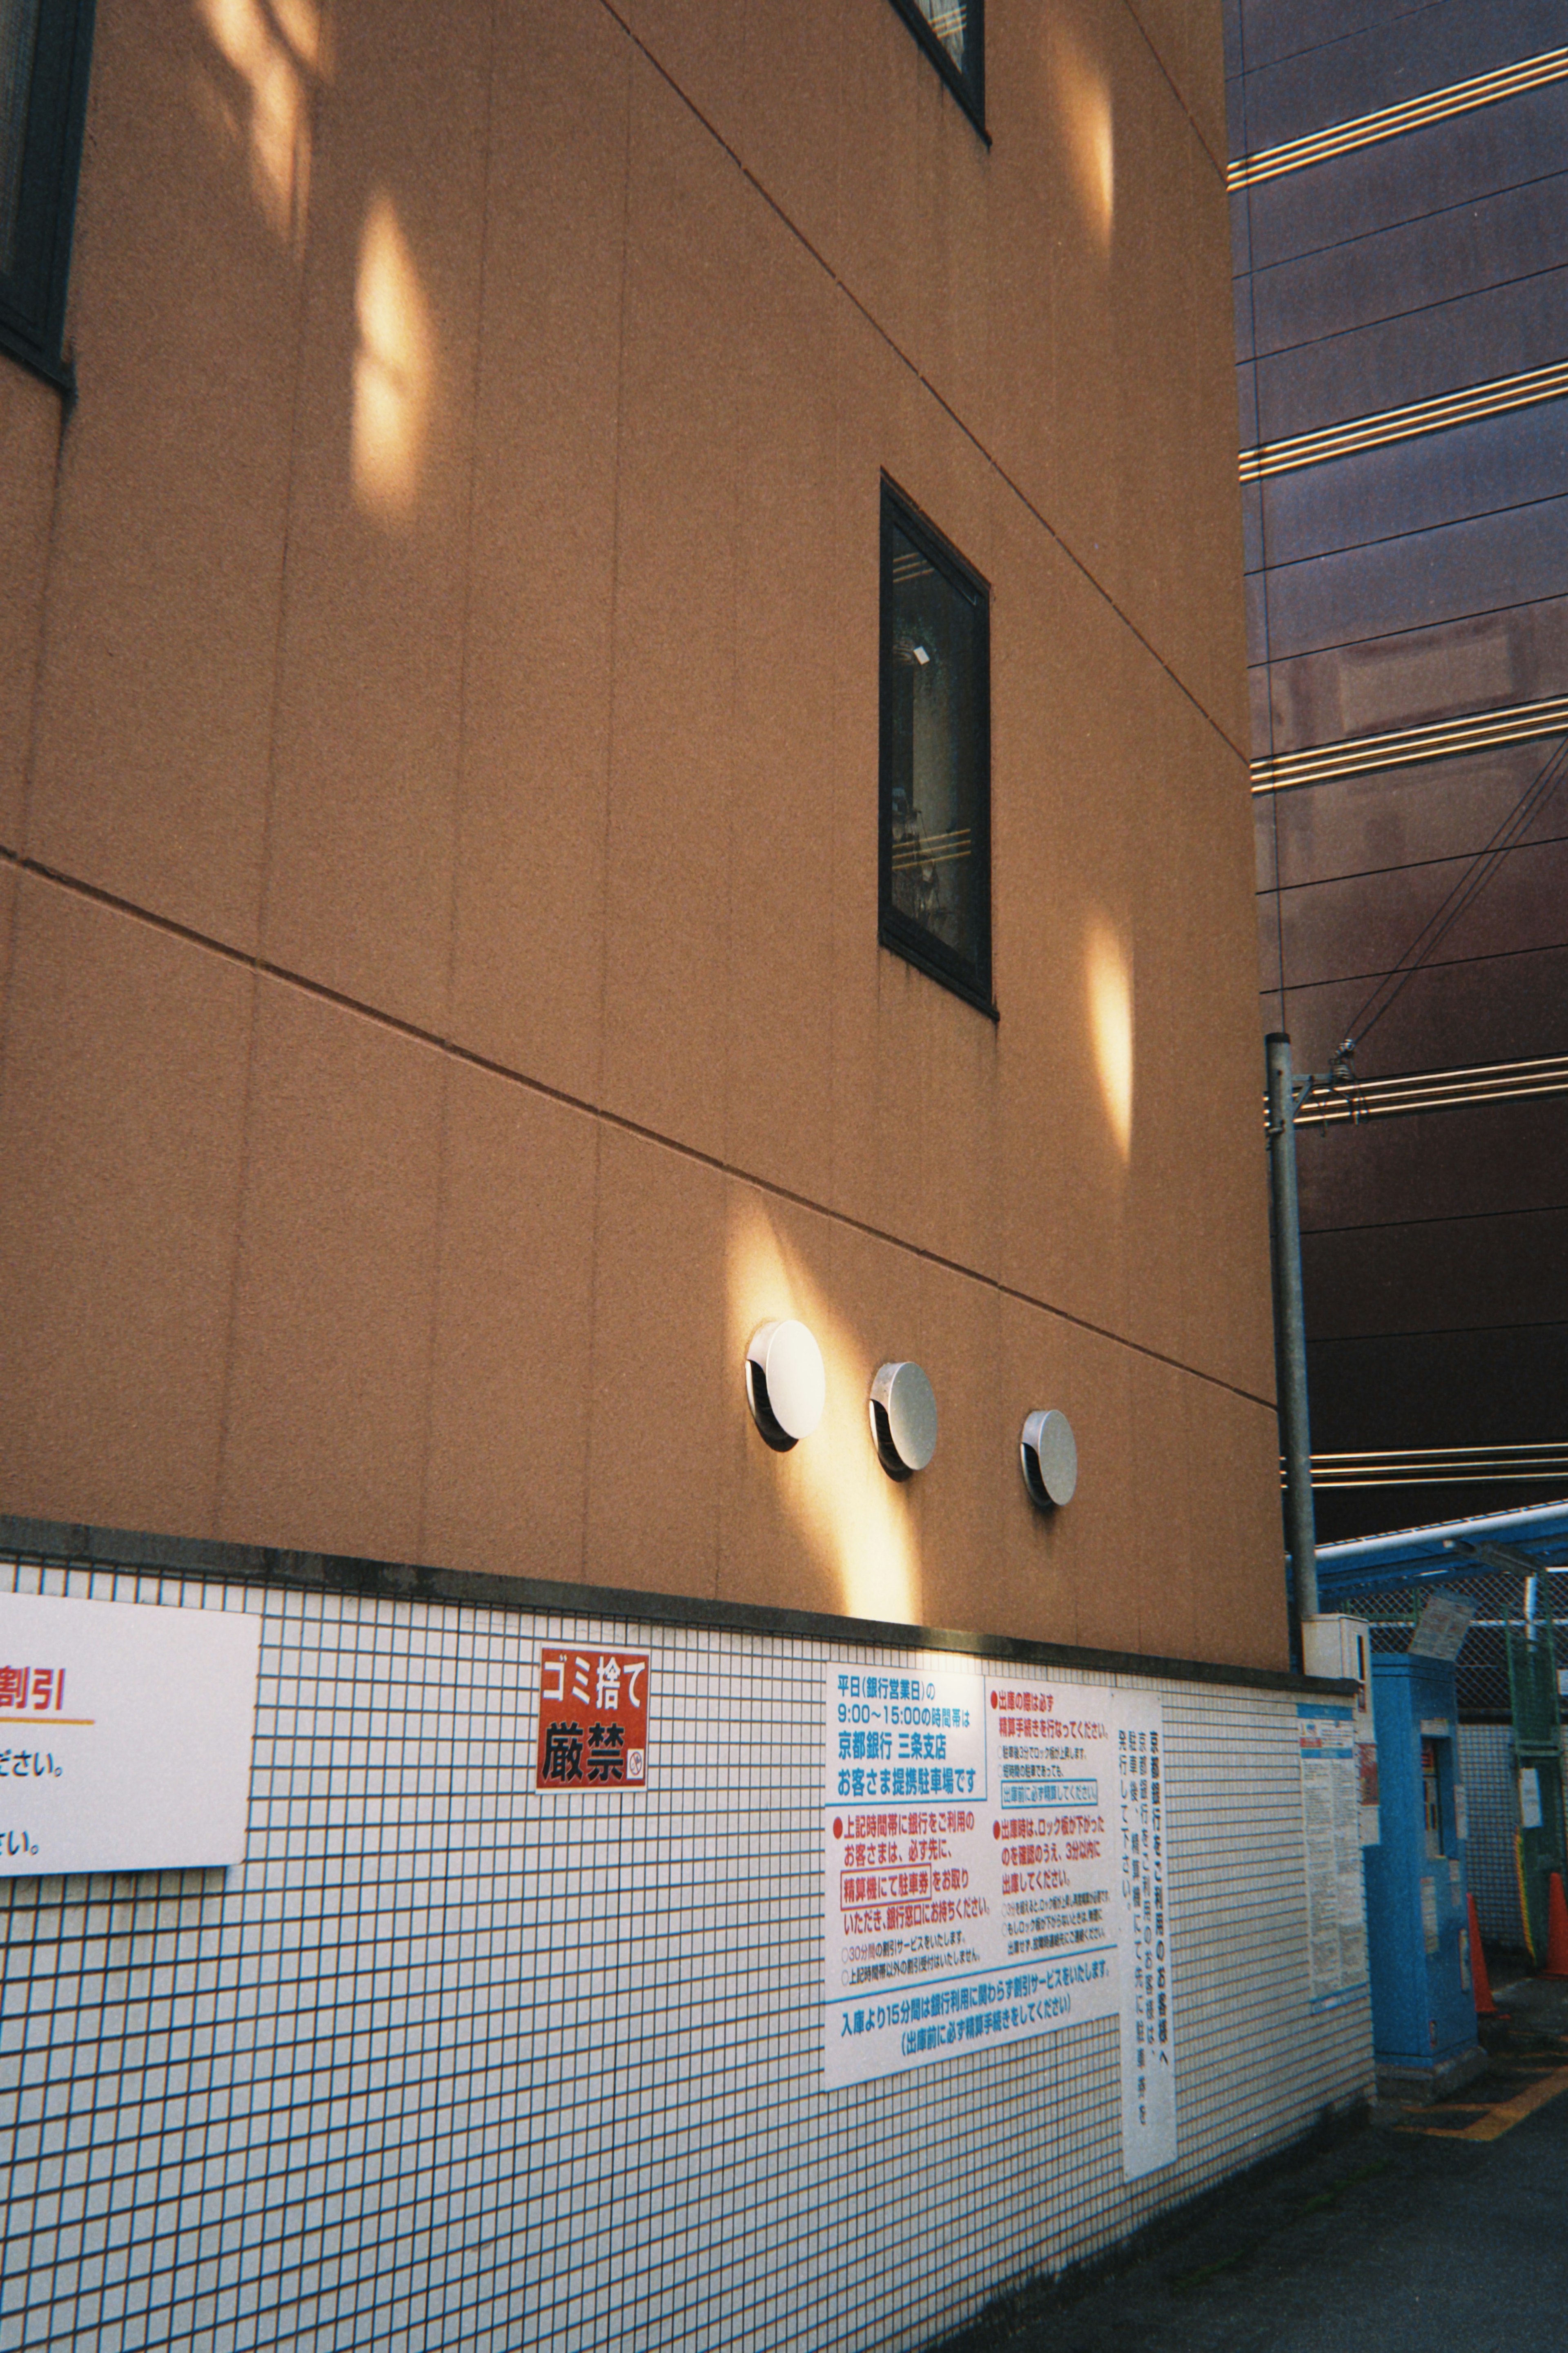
125, 1734
1330, 1827
996, 1861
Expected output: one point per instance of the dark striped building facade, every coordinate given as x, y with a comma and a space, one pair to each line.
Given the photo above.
1399, 183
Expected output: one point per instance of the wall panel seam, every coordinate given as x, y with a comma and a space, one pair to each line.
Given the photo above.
472, 1061
968, 431
1218, 161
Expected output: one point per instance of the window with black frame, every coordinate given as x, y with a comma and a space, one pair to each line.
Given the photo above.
44, 46
935, 844
951, 33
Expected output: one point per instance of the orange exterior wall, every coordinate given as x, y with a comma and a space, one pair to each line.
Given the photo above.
443, 1010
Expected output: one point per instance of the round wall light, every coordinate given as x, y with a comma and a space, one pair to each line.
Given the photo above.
786, 1386
1048, 1452
903, 1418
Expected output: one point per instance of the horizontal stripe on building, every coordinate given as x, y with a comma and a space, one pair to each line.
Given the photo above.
1390, 121
1436, 416
1409, 748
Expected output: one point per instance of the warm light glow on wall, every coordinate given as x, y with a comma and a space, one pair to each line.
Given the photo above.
1083, 100
1108, 972
273, 53
856, 1521
393, 370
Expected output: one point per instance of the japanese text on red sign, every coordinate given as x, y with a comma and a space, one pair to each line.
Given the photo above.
592, 1719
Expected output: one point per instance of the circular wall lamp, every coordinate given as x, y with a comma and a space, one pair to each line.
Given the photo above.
1048, 1453
903, 1418
786, 1386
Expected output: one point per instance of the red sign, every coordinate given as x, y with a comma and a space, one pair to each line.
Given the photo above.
592, 1719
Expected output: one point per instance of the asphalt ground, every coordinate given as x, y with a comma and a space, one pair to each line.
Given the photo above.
1419, 2229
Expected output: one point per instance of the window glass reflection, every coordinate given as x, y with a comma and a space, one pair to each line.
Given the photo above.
934, 755
952, 21
18, 34
951, 33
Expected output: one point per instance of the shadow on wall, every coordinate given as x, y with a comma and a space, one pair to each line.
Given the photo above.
858, 1523
257, 93
274, 51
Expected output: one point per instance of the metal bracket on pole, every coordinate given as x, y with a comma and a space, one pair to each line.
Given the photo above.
1300, 1088
1494, 1555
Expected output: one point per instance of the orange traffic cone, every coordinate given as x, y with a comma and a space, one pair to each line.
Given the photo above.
1480, 1984
1556, 1929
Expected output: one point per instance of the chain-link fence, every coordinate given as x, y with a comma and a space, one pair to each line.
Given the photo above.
1511, 1674
1501, 1598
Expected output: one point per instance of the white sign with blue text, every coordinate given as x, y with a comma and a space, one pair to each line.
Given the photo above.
996, 1868
125, 1734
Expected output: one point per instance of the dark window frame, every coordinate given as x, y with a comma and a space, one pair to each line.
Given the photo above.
968, 89
33, 293
895, 931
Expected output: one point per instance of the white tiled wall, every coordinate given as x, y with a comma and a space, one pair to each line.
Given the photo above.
448, 2065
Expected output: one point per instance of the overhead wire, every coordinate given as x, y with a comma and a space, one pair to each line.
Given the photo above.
1463, 895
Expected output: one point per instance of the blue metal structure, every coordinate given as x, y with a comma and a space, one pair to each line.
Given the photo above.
1451, 1548
1423, 2010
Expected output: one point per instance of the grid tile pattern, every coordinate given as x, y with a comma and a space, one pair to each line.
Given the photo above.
448, 2064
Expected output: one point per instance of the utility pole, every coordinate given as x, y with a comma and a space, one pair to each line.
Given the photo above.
1286, 1095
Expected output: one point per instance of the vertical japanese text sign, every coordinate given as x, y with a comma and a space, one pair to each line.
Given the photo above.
592, 1719
1148, 2080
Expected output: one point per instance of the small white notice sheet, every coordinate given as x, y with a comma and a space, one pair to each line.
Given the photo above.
1330, 1827
125, 1734
996, 1855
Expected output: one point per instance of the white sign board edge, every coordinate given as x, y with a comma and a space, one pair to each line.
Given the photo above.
144, 1761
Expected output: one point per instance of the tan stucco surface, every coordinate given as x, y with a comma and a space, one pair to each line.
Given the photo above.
438, 787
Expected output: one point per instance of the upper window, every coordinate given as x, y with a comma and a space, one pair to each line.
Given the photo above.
43, 87
935, 755
954, 33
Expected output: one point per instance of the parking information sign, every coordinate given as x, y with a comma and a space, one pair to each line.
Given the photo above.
995, 1863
